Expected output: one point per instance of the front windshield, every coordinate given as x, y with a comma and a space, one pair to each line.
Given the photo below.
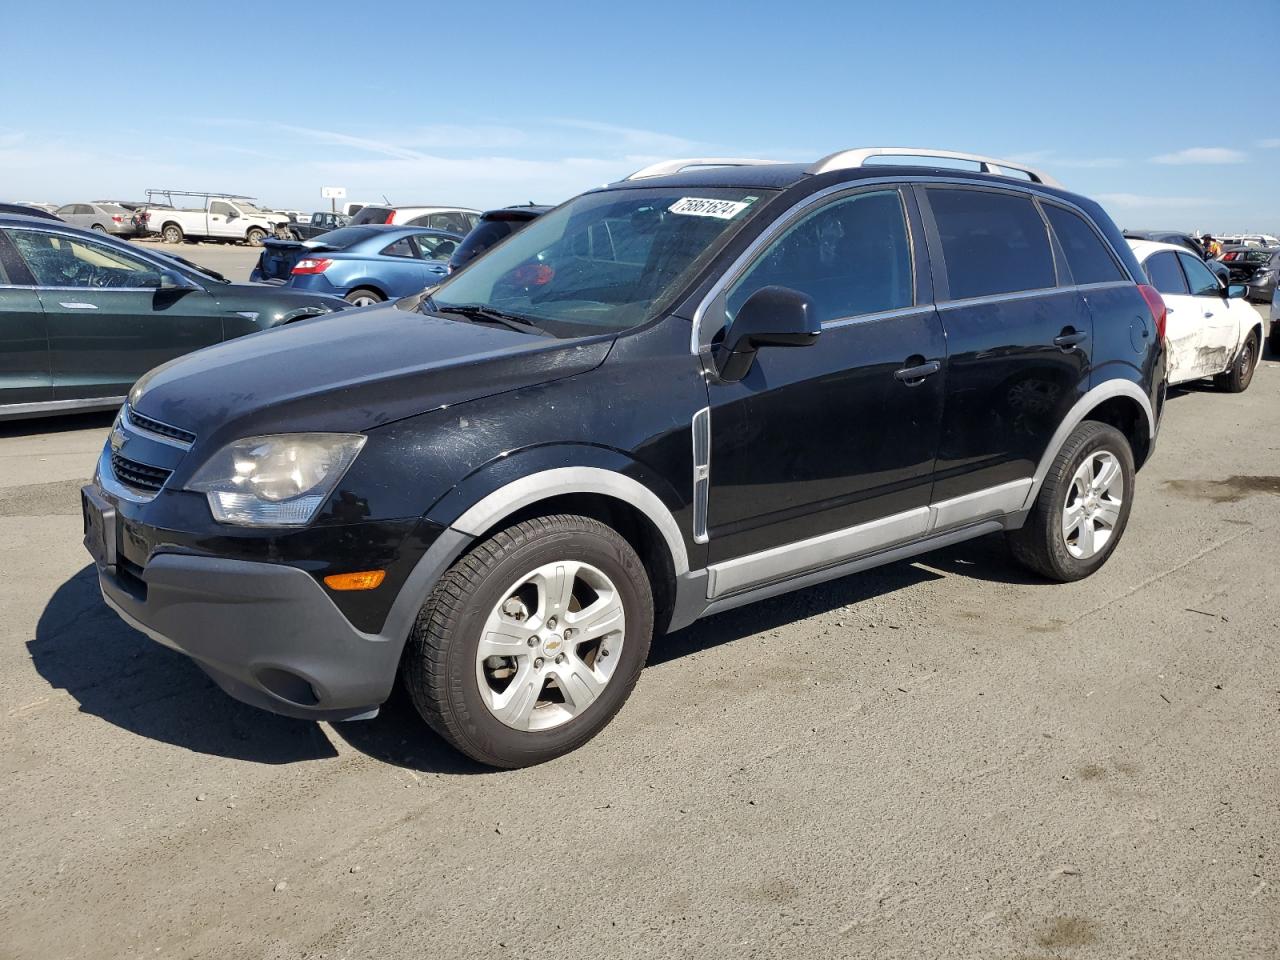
604, 261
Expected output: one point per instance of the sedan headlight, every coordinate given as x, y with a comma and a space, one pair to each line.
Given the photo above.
275, 481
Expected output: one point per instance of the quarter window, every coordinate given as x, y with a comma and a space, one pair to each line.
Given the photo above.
1201, 281
853, 257
993, 243
401, 248
61, 261
1087, 255
1166, 276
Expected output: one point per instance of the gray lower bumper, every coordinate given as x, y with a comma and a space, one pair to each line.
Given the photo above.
266, 633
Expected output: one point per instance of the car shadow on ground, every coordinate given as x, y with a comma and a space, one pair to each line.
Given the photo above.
116, 673
53, 425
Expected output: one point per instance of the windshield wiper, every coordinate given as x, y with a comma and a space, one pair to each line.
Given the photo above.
478, 311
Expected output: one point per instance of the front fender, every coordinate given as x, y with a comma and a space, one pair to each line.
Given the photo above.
508, 484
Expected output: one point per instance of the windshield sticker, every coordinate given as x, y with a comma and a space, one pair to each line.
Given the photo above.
701, 207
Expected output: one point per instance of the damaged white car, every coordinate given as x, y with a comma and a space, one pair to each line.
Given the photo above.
1211, 330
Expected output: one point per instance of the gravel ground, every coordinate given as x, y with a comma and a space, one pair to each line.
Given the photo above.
944, 758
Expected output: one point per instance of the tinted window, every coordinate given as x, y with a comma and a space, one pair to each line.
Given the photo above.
993, 242
1087, 256
58, 261
852, 257
371, 215
488, 234
346, 237
1202, 282
1166, 276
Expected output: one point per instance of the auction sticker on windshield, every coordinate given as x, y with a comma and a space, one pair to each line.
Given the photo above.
702, 207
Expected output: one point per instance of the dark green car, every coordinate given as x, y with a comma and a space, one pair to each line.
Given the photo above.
82, 316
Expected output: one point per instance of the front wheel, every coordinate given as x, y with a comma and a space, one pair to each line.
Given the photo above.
532, 641
1238, 378
254, 236
1082, 508
99, 228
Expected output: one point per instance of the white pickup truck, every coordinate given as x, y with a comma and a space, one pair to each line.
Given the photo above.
215, 217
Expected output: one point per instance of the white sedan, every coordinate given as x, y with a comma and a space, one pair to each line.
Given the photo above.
1211, 330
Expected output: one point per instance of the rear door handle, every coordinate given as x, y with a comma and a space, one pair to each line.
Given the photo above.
913, 375
1071, 339
75, 305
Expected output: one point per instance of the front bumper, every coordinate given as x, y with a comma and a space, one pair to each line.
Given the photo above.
266, 633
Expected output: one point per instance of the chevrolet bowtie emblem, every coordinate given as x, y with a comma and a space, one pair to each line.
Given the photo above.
117, 437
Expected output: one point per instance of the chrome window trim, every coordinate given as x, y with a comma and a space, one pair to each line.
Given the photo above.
963, 302
784, 220
37, 287
882, 315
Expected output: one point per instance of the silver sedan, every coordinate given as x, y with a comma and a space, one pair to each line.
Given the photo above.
103, 217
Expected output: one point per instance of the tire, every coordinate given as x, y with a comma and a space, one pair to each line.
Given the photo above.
1275, 339
172, 233
1044, 544
1238, 378
254, 236
444, 671
98, 228
363, 297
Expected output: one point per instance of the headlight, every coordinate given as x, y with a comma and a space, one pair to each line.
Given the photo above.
276, 481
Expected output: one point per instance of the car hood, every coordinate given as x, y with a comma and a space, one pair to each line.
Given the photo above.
349, 372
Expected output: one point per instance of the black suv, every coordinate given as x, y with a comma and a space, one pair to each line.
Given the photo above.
713, 382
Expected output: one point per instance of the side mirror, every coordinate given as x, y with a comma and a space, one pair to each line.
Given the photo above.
772, 317
1236, 291
170, 280
232, 216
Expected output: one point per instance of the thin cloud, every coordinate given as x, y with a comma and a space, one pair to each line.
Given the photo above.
1133, 201
1271, 143
1202, 155
1050, 158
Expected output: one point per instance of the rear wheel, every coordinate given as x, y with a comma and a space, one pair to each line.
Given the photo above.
172, 233
363, 297
254, 236
1082, 508
99, 228
531, 642
1238, 378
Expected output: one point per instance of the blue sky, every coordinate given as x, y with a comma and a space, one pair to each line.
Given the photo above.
488, 103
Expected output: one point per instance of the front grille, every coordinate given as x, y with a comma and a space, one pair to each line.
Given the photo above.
162, 429
139, 476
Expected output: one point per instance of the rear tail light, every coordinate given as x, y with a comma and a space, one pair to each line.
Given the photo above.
391, 217
117, 218
1231, 256
1155, 302
310, 266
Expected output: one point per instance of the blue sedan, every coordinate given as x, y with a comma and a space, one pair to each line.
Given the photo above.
363, 264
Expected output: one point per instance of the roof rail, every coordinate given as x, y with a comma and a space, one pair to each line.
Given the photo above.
666, 167
850, 159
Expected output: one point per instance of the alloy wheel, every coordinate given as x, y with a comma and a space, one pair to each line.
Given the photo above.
550, 646
1093, 504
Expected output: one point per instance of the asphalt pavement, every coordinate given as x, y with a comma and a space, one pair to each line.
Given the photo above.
939, 758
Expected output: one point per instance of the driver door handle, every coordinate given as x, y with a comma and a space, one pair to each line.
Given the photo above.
76, 305
913, 375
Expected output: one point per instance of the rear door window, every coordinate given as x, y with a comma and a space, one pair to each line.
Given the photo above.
1087, 256
1199, 278
1166, 276
992, 242
853, 257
